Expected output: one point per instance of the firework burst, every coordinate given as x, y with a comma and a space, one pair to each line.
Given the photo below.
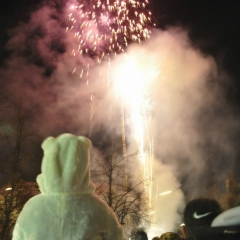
107, 26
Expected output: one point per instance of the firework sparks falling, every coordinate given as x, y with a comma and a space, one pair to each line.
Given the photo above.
107, 26
133, 83
165, 193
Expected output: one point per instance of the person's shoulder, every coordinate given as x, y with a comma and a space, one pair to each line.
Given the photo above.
94, 199
98, 206
33, 200
38, 202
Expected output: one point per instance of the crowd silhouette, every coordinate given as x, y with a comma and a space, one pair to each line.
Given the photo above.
68, 209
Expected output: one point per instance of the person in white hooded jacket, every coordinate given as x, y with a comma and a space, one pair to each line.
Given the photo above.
66, 208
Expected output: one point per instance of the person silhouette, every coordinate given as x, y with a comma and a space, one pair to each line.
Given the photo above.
66, 208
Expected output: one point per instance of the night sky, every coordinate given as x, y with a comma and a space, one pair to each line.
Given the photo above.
213, 28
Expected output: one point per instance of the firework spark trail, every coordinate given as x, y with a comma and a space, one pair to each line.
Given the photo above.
107, 26
133, 82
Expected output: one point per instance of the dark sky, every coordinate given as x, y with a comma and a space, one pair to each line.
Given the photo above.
11, 13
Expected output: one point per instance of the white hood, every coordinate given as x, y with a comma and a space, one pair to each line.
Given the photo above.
65, 167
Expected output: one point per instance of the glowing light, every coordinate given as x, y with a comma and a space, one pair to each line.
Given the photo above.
165, 193
72, 7
151, 213
155, 231
133, 80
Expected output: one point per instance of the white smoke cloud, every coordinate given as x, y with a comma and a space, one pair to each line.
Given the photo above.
186, 96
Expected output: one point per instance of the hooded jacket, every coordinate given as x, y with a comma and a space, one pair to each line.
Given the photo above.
66, 208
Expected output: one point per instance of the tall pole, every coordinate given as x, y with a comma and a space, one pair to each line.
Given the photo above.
124, 146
